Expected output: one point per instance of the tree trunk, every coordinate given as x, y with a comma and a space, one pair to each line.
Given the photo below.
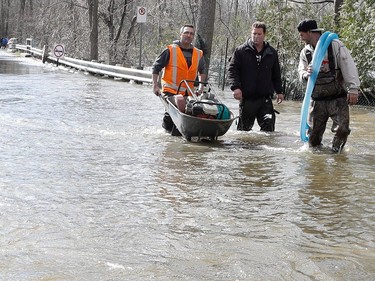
129, 35
4, 17
21, 20
108, 19
205, 28
234, 25
338, 4
94, 37
119, 31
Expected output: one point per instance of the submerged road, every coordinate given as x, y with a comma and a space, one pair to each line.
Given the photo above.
92, 188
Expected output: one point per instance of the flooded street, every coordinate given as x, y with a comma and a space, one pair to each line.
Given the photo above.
92, 188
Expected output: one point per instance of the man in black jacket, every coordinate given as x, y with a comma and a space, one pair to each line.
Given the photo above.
254, 76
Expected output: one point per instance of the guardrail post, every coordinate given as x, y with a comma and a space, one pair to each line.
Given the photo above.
29, 43
45, 53
140, 68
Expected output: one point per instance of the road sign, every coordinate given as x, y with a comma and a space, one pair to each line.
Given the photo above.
59, 51
141, 14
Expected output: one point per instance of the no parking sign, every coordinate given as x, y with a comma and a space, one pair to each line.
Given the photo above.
141, 14
59, 51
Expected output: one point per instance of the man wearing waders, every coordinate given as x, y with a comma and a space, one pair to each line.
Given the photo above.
336, 86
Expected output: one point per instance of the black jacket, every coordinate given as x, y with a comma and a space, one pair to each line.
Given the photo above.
256, 77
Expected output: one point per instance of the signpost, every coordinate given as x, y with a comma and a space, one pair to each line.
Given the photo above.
58, 52
141, 18
141, 14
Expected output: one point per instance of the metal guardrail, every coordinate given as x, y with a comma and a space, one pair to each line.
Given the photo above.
92, 67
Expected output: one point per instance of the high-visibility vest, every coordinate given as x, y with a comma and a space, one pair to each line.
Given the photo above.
177, 70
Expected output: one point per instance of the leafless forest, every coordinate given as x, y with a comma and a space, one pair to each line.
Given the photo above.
108, 31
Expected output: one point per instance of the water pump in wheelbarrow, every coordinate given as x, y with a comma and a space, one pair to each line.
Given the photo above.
207, 105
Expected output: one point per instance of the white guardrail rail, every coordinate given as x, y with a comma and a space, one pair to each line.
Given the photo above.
137, 75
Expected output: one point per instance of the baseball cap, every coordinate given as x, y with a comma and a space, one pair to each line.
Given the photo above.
308, 25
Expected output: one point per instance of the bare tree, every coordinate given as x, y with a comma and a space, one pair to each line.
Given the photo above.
205, 27
94, 35
4, 17
129, 35
114, 30
338, 4
20, 25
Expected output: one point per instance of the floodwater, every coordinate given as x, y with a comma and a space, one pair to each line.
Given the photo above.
92, 188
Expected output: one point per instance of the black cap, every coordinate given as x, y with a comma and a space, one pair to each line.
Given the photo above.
308, 25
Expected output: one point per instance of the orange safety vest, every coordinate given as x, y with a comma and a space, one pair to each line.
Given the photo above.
177, 70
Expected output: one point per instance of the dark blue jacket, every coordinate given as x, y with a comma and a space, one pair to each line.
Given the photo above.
256, 74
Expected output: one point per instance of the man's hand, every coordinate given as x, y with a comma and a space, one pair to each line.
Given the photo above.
156, 90
279, 98
199, 91
237, 94
352, 96
308, 73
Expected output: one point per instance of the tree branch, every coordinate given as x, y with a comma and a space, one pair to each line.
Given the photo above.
314, 2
